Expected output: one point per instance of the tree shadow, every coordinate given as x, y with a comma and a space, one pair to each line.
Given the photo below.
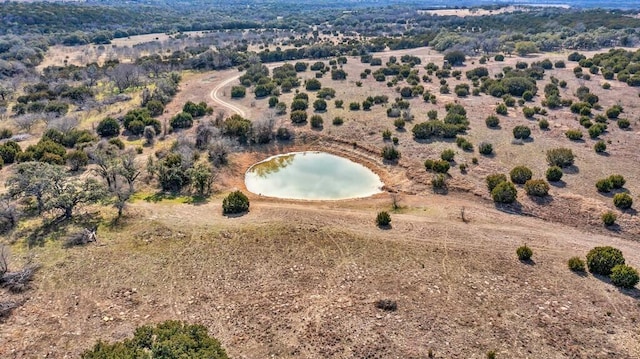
58, 228
541, 201
613, 227
529, 262
603, 154
631, 292
385, 227
512, 208
558, 184
235, 215
571, 170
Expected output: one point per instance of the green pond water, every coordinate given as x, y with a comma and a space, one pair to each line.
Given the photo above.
311, 175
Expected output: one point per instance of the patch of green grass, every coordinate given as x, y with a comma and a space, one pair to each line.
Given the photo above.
167, 198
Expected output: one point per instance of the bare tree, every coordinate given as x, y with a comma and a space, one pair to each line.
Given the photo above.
63, 124
124, 76
26, 122
9, 215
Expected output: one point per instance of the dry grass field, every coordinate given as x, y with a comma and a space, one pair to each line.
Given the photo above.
299, 279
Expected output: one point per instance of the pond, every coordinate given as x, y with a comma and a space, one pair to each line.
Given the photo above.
311, 175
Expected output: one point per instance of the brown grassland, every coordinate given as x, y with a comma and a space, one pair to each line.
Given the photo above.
299, 279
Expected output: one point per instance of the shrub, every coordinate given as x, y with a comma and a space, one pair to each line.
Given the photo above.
574, 135
537, 188
109, 127
528, 112
447, 155
521, 132
439, 182
617, 181
492, 121
624, 276
561, 157
543, 124
554, 174
623, 123
527, 95
440, 166
504, 192
600, 147
622, 201
499, 57
298, 116
316, 121
576, 264
170, 339
390, 153
383, 219
596, 130
520, 174
337, 121
77, 159
181, 120
387, 305
524, 253
601, 260
235, 202
613, 112
313, 85
604, 185
485, 148
354, 106
238, 92
399, 123
339, 103
609, 218
495, 179
320, 105
386, 135
501, 109
606, 85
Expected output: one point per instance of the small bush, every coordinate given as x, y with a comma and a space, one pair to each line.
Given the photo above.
354, 106
574, 135
109, 127
502, 109
601, 260
337, 121
521, 132
622, 201
609, 218
600, 147
504, 192
316, 121
492, 121
520, 174
494, 180
524, 253
624, 276
576, 264
439, 182
383, 219
617, 181
387, 305
543, 124
399, 123
439, 166
561, 157
485, 148
623, 123
447, 155
235, 202
386, 135
603, 185
390, 153
554, 174
537, 188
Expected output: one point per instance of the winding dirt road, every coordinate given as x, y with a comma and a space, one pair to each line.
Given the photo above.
215, 96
